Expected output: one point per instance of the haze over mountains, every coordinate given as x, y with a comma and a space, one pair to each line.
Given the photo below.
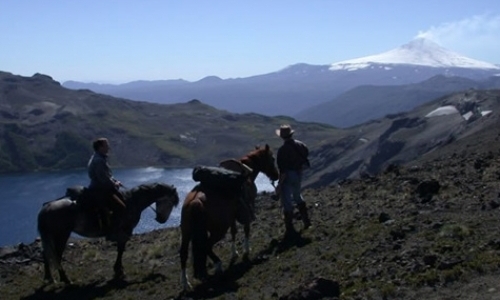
297, 89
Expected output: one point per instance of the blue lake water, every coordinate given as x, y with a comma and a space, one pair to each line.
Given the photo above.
22, 195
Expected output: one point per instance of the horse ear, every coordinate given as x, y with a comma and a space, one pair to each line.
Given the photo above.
256, 147
267, 147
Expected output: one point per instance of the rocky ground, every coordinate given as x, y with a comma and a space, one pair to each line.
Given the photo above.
427, 230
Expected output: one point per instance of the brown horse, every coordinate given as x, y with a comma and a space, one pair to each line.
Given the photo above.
207, 214
58, 218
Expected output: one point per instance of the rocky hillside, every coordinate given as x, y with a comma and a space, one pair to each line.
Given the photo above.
370, 102
423, 230
400, 138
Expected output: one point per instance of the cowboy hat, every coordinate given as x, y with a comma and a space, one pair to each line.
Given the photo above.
284, 131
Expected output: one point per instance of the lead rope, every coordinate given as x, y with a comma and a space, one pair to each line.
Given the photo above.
280, 210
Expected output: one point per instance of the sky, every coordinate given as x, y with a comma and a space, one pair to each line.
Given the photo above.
118, 41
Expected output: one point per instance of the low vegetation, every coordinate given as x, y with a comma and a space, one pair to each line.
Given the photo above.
427, 230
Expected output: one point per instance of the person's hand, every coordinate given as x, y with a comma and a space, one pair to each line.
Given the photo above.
276, 195
118, 184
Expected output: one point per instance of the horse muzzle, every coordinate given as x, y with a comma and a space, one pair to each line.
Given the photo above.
160, 219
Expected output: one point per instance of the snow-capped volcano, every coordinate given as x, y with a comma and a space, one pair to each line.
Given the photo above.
420, 51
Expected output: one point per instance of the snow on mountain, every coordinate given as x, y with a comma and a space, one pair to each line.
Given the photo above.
420, 51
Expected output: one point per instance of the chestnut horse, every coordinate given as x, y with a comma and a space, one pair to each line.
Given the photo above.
58, 218
207, 214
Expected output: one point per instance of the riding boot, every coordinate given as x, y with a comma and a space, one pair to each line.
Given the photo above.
304, 215
290, 232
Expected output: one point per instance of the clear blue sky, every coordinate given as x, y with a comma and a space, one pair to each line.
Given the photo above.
123, 40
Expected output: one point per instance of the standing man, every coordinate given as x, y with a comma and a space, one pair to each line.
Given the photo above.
104, 187
292, 160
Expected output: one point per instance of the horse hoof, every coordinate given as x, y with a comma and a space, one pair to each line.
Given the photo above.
119, 276
246, 257
47, 282
66, 281
201, 277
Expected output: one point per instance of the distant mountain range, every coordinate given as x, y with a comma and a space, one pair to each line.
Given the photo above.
370, 102
299, 87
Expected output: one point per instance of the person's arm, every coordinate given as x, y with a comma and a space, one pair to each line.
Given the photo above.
280, 183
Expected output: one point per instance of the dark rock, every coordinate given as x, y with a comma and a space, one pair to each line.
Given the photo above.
430, 260
428, 188
383, 217
319, 288
494, 204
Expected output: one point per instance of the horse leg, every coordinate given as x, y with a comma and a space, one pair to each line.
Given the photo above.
60, 245
118, 267
46, 266
184, 253
246, 242
216, 260
234, 251
214, 238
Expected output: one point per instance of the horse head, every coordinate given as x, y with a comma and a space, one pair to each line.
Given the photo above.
165, 197
262, 160
166, 203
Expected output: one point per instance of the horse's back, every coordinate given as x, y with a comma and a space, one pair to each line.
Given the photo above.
74, 192
63, 203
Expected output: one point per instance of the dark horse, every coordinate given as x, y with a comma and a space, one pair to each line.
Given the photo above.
58, 218
207, 214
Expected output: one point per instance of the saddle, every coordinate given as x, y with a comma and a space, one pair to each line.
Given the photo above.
219, 179
92, 203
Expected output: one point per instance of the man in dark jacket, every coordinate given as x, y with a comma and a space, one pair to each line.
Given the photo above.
103, 186
291, 159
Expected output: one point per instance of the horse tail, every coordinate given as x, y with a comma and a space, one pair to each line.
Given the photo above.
199, 239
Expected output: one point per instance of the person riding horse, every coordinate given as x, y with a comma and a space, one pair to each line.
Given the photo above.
104, 188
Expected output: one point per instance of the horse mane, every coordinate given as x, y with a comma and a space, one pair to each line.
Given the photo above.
144, 187
257, 152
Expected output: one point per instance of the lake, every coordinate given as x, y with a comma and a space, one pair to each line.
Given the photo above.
22, 195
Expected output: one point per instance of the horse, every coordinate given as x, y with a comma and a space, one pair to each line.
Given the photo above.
207, 214
57, 219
